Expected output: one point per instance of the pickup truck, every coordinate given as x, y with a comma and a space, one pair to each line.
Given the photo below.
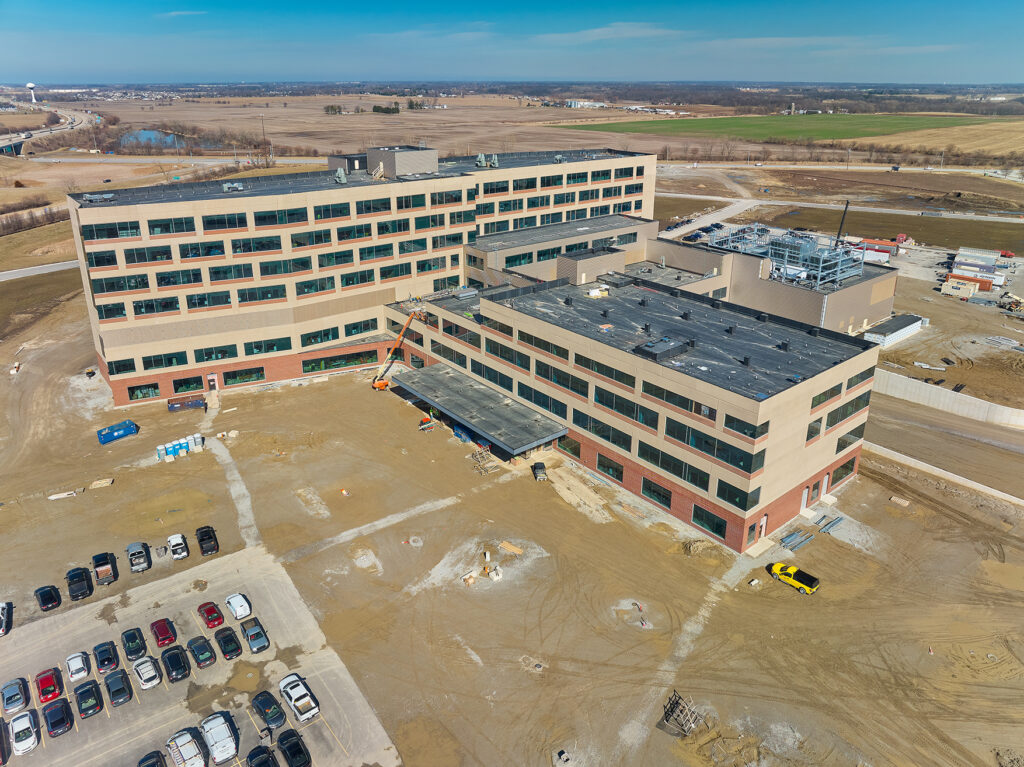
138, 557
299, 698
219, 737
186, 751
79, 583
540, 471
103, 568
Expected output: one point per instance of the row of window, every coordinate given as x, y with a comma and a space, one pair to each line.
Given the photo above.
557, 180
834, 391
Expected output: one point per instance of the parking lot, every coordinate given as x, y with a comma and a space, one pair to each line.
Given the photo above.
346, 732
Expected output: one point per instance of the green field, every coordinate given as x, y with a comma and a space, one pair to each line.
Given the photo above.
788, 127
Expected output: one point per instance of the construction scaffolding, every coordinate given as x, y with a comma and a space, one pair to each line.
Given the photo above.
815, 261
681, 717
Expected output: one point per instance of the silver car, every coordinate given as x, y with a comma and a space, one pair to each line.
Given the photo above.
13, 697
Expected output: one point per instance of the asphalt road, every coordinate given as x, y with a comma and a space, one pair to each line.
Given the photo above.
81, 120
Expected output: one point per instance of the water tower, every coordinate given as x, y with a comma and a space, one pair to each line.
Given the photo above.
32, 89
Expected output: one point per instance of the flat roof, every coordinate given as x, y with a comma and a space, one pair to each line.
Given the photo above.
781, 352
318, 181
586, 227
495, 416
893, 324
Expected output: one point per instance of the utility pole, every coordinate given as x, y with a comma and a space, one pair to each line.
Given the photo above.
847, 158
942, 159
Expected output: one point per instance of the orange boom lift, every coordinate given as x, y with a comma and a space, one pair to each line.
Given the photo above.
380, 383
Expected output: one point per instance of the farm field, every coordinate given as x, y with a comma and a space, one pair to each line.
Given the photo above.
990, 136
18, 122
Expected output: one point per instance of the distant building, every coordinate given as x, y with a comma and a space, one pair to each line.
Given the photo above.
585, 104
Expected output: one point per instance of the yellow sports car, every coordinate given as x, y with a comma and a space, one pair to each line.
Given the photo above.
803, 582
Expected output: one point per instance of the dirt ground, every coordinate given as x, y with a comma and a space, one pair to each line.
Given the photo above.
1001, 137
892, 662
667, 209
19, 122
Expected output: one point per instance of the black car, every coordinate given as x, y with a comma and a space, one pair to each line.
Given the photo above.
48, 598
261, 756
691, 238
106, 657
79, 583
269, 710
228, 642
57, 716
134, 643
88, 698
153, 759
290, 744
202, 652
717, 227
207, 541
176, 664
119, 688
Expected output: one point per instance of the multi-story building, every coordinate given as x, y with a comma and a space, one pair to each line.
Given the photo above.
209, 285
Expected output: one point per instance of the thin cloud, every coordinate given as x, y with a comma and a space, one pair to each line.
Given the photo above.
172, 14
465, 33
618, 30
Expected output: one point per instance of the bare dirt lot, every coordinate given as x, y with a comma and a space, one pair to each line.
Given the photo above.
667, 209
910, 653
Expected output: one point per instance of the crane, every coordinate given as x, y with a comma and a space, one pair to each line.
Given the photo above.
379, 382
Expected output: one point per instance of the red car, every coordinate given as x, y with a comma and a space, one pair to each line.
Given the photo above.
163, 632
48, 684
208, 612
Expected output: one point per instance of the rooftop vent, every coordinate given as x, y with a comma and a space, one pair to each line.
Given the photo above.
685, 315
604, 313
815, 331
647, 328
716, 304
746, 361
762, 317
692, 343
784, 346
568, 300
731, 330
643, 301
662, 349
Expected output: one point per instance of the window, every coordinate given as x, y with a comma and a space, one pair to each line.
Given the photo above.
607, 466
622, 207
248, 375
488, 373
308, 239
495, 187
319, 285
546, 254
575, 215
144, 391
842, 472
268, 293
565, 198
719, 449
360, 327
395, 270
605, 370
544, 346
524, 184
319, 336
446, 198
826, 395
171, 360
373, 252
507, 353
206, 300
625, 407
213, 353
268, 346
449, 354
371, 207
224, 221
679, 401
600, 429
110, 311
476, 263
361, 277
611, 191
286, 266
847, 409
182, 225
742, 499
860, 377
542, 400
485, 208
185, 385
232, 272
392, 226
496, 227
461, 217
540, 201
601, 242
638, 204
518, 260
656, 493
600, 175
101, 258
255, 244
550, 181
850, 438
672, 465
411, 201
746, 429
431, 265
501, 327
201, 249
576, 178
639, 171
623, 173
569, 445
433, 221
280, 217
510, 206
120, 367
526, 222
813, 429
550, 218
355, 232
335, 210
446, 240
713, 523
155, 306
719, 292
179, 277
412, 246
600, 210
147, 255
561, 378
337, 258
449, 328
111, 231
634, 189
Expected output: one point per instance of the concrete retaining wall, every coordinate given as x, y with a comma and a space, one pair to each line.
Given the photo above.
964, 405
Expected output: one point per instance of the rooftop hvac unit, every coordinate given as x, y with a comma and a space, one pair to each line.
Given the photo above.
340, 177
481, 161
232, 186
494, 161
559, 158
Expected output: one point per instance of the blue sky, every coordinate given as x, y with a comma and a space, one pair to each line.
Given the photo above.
873, 41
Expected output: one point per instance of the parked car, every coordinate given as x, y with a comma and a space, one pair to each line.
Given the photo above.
261, 756
219, 735
104, 567
24, 733
119, 687
14, 697
228, 642
147, 672
299, 697
269, 710
133, 641
138, 557
691, 238
48, 685
207, 539
79, 583
153, 759
106, 657
6, 608
177, 545
293, 750
803, 582
211, 614
254, 635
202, 652
78, 666
163, 632
88, 699
57, 716
238, 606
176, 664
48, 598
540, 471
186, 750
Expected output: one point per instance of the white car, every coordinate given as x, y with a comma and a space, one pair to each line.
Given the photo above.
239, 606
147, 672
178, 546
219, 737
24, 735
299, 697
78, 666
